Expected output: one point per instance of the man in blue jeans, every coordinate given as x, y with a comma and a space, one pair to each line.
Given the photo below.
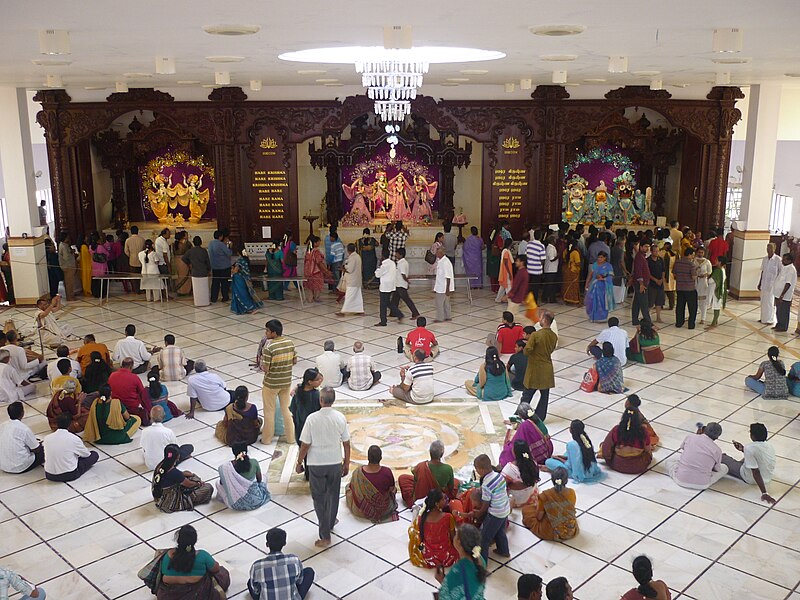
494, 508
279, 576
219, 253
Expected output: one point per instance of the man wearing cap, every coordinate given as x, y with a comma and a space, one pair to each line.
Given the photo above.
700, 464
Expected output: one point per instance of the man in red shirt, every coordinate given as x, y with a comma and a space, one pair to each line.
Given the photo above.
519, 287
128, 388
422, 339
718, 247
508, 332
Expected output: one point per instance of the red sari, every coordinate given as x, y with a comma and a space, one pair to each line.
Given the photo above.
314, 270
436, 549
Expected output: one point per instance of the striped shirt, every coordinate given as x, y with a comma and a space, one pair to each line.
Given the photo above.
493, 491
9, 579
420, 377
277, 360
535, 255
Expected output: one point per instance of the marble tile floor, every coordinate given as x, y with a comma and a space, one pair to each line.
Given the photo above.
87, 539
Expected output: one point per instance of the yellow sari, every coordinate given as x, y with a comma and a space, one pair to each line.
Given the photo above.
570, 289
86, 270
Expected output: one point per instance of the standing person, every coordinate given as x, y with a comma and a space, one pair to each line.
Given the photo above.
337, 252
68, 263
443, 287
536, 254
200, 268
701, 283
274, 258
397, 237
219, 254
718, 291
180, 269
20, 451
279, 576
770, 269
495, 508
437, 243
54, 272
758, 465
121, 263
151, 272
314, 269
289, 249
133, 246
519, 287
620, 272
450, 243
539, 374
277, 360
100, 256
401, 283
244, 299
599, 298
472, 256
685, 272
675, 234
164, 252
43, 214
783, 291
669, 278
324, 435
85, 258
305, 401
641, 281
353, 278
551, 264
387, 273
655, 291
570, 288
493, 258
367, 246
506, 274
718, 246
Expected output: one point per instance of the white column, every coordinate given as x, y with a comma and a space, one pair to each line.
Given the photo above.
28, 265
759, 170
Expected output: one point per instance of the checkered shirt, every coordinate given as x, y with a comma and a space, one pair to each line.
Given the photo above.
276, 576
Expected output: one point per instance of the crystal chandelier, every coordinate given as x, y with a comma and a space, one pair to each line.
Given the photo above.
392, 83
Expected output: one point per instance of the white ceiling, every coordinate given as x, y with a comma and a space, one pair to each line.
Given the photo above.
672, 36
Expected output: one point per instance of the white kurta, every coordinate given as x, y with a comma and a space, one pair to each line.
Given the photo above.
353, 301
770, 269
703, 271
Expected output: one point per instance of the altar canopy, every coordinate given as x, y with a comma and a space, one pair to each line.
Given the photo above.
177, 187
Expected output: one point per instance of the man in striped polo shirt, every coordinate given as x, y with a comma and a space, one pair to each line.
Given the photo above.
416, 381
277, 359
535, 255
494, 508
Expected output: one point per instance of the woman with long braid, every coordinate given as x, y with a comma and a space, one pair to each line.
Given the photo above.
175, 490
430, 537
627, 447
579, 461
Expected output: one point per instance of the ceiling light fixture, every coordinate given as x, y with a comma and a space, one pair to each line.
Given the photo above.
458, 79
656, 84
617, 64
137, 75
722, 78
54, 81
188, 81
559, 77
594, 80
510, 87
474, 71
559, 57
54, 41
731, 60
792, 74
450, 83
333, 84
255, 85
311, 72
51, 62
92, 88
327, 80
224, 59
645, 73
121, 86
727, 40
525, 84
232, 30
211, 86
222, 78
165, 65
558, 30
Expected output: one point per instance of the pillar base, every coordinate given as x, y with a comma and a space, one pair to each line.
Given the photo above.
28, 269
749, 247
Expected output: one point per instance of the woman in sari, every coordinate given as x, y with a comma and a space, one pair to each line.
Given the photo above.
633, 402
85, 264
645, 347
553, 516
521, 475
506, 274
599, 299
467, 579
315, 270
532, 431
428, 475
244, 300
240, 485
371, 491
669, 279
430, 536
274, 259
369, 259
183, 280
159, 396
491, 382
493, 257
189, 574
610, 379
627, 447
174, 490
472, 256
579, 461
96, 374
99, 254
648, 588
289, 259
68, 401
438, 242
241, 423
570, 289
109, 421
305, 401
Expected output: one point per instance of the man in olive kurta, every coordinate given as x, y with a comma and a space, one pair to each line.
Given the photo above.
539, 374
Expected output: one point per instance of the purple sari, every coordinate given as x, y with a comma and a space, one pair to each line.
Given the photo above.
538, 441
473, 260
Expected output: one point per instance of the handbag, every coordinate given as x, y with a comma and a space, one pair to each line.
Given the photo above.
290, 259
151, 572
430, 257
99, 257
590, 379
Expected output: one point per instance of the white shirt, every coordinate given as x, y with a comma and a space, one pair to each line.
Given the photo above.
53, 372
325, 430
770, 269
788, 275
330, 363
16, 442
551, 259
130, 347
444, 271
761, 456
403, 268
420, 377
618, 338
154, 439
61, 452
153, 260
19, 361
162, 248
209, 389
10, 378
387, 272
522, 248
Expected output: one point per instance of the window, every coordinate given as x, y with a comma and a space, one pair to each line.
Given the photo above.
780, 215
46, 195
733, 204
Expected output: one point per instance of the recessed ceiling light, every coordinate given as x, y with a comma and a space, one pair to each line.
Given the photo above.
311, 72
571, 84
327, 80
792, 74
137, 75
474, 71
222, 78
510, 87
727, 40
731, 60
558, 30
51, 62
617, 64
558, 57
224, 59
679, 85
450, 83
333, 84
594, 80
211, 86
645, 73
54, 41
458, 79
188, 81
54, 81
356, 54
94, 87
232, 30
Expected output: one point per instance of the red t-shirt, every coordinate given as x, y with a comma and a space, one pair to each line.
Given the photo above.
718, 247
421, 339
507, 338
127, 387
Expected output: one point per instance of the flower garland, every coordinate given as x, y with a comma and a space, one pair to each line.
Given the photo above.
173, 158
609, 156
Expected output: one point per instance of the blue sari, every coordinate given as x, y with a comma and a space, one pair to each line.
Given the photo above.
275, 269
599, 299
243, 297
610, 379
574, 465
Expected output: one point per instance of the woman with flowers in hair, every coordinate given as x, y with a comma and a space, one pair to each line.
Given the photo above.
174, 490
579, 461
628, 447
529, 429
467, 579
553, 516
187, 572
240, 484
522, 475
109, 421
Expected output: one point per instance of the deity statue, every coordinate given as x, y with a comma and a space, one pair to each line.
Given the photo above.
601, 206
574, 203
359, 213
625, 197
424, 193
380, 194
399, 190
189, 194
160, 196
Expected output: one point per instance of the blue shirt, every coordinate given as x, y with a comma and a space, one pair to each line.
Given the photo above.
328, 255
275, 577
219, 254
337, 251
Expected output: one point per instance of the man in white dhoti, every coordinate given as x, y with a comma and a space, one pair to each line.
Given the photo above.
353, 301
53, 333
770, 268
701, 284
